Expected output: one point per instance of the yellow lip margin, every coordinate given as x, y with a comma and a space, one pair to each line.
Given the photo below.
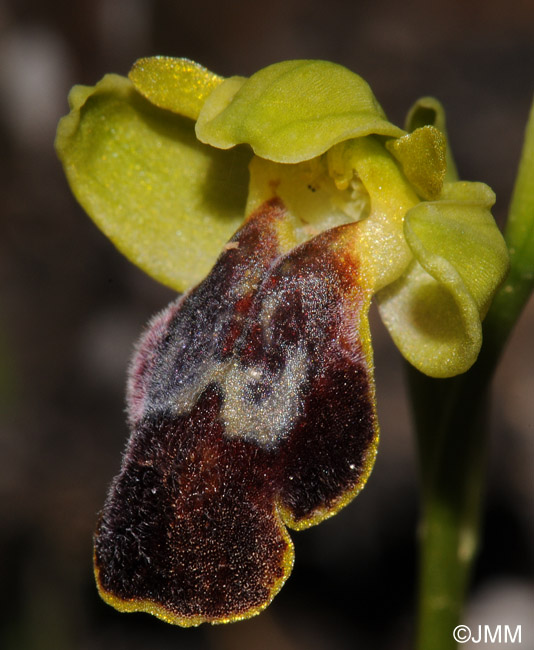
160, 611
320, 514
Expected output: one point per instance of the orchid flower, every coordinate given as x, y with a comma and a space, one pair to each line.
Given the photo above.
251, 397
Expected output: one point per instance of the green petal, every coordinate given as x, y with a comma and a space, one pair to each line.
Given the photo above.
166, 201
178, 85
434, 310
428, 111
292, 111
422, 155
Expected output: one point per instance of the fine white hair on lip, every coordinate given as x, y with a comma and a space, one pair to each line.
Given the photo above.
269, 418
258, 405
145, 360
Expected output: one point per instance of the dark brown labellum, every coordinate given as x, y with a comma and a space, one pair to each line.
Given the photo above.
251, 403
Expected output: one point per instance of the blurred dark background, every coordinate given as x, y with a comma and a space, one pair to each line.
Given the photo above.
71, 308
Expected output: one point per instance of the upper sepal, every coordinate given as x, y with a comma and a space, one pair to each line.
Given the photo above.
292, 111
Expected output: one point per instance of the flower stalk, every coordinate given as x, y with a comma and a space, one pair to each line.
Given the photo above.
452, 455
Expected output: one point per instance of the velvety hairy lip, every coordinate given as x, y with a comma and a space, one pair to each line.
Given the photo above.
252, 408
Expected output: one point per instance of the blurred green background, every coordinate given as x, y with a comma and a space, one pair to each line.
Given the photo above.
71, 309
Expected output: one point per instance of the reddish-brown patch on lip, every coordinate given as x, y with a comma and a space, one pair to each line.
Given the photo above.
192, 528
241, 310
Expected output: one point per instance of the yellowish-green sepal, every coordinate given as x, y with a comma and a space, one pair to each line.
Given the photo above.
293, 111
168, 202
434, 310
178, 85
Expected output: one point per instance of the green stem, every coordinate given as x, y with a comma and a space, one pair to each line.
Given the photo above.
451, 419
453, 459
